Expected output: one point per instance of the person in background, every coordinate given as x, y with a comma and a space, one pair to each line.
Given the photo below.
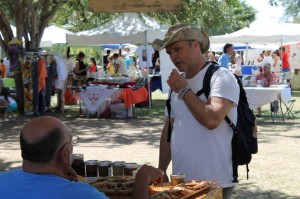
276, 61
8, 102
119, 65
110, 66
285, 64
265, 78
211, 57
105, 61
70, 64
238, 64
46, 149
156, 62
284, 59
2, 69
93, 65
260, 57
224, 59
267, 59
80, 69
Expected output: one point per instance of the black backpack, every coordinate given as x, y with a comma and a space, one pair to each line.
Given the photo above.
244, 139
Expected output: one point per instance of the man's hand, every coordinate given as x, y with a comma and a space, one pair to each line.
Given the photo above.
150, 174
176, 81
143, 178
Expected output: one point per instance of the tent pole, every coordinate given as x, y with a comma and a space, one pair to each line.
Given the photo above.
246, 60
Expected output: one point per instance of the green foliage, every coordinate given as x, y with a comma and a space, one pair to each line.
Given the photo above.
213, 16
291, 8
75, 16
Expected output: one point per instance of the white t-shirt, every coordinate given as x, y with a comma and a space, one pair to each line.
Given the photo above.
122, 66
199, 153
145, 55
70, 64
267, 59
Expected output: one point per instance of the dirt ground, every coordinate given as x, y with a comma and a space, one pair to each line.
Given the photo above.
274, 171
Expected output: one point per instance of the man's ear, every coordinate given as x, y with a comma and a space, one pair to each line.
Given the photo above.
64, 154
196, 44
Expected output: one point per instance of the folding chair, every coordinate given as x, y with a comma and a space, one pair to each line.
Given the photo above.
289, 108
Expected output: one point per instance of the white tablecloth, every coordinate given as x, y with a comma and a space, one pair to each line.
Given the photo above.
97, 98
258, 96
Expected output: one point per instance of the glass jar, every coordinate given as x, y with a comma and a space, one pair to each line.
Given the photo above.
177, 178
78, 164
129, 168
118, 168
104, 168
91, 168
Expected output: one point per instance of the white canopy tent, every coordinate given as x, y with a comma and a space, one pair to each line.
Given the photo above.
52, 35
131, 28
262, 34
262, 31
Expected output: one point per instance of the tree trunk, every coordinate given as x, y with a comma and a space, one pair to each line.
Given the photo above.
19, 91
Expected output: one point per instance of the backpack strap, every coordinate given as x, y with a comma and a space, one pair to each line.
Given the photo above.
206, 90
212, 68
168, 104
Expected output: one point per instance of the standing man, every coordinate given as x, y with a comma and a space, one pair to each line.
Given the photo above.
200, 145
285, 63
224, 59
120, 65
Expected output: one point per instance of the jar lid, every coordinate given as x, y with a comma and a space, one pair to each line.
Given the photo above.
177, 176
104, 163
131, 165
77, 156
91, 162
118, 163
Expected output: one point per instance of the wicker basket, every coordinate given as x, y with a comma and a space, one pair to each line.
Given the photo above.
122, 188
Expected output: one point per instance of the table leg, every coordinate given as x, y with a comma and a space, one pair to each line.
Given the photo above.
281, 110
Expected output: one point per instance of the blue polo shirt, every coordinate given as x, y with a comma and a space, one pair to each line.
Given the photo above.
224, 60
18, 184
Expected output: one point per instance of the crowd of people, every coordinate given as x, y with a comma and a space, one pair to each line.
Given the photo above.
114, 64
277, 61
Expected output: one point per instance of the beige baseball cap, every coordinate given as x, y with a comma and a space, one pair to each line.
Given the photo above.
182, 32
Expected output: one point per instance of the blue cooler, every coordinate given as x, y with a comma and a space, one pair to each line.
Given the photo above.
246, 70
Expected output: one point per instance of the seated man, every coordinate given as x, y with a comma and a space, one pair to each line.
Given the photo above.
265, 79
46, 146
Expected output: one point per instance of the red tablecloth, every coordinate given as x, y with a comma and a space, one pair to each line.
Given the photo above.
134, 96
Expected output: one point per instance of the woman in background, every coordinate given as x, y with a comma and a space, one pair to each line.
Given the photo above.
93, 66
80, 69
265, 79
276, 61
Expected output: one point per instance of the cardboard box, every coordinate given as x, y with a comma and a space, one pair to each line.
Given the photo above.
120, 111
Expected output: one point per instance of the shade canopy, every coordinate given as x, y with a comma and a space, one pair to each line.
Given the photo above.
263, 31
131, 28
134, 5
52, 35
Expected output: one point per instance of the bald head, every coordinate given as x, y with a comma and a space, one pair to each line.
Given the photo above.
41, 138
38, 128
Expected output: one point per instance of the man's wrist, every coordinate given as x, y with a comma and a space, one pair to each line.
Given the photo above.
183, 91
